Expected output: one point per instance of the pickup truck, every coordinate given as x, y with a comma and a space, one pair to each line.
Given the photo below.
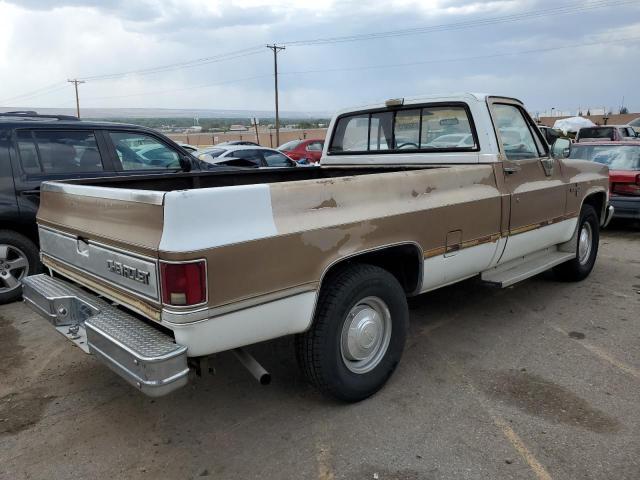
154, 274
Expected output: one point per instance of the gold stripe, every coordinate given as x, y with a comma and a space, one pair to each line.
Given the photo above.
434, 252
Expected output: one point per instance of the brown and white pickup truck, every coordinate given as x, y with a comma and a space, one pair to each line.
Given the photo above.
153, 274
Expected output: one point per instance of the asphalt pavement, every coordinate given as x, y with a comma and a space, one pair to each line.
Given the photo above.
537, 381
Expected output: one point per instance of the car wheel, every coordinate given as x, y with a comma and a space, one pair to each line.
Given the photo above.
18, 258
358, 333
588, 238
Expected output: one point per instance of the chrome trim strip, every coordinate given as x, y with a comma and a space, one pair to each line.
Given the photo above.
169, 316
151, 197
610, 211
79, 271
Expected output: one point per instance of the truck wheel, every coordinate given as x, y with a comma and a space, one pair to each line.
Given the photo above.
18, 258
580, 267
358, 333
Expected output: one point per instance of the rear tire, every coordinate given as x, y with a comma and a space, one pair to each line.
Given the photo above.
358, 334
587, 241
18, 258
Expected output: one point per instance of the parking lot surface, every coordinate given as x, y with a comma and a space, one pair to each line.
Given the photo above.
537, 381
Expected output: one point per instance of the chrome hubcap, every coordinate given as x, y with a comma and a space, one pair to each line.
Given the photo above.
13, 267
365, 335
584, 243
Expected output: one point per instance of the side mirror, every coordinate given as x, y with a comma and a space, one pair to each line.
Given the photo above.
561, 148
185, 163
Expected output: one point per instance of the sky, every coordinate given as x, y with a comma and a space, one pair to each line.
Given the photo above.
560, 54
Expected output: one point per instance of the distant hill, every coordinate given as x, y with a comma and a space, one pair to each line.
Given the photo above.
106, 113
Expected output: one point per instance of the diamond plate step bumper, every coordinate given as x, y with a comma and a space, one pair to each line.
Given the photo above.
144, 356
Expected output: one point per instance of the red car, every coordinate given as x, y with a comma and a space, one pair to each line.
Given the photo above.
304, 151
623, 159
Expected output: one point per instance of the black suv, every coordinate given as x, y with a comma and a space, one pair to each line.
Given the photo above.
35, 148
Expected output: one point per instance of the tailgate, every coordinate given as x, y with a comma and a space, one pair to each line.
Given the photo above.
107, 234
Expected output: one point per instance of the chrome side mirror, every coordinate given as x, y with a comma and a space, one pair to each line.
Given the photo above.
561, 148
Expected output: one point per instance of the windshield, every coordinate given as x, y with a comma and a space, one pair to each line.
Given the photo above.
215, 152
619, 157
290, 145
606, 132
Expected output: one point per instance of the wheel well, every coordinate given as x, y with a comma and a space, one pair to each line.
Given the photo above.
597, 201
31, 232
403, 261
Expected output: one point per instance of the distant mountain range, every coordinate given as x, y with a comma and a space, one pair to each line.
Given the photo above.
170, 113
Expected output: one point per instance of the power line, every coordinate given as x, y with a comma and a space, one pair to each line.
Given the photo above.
36, 93
180, 65
174, 90
373, 67
462, 59
567, 9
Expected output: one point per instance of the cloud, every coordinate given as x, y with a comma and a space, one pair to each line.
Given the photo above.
45, 43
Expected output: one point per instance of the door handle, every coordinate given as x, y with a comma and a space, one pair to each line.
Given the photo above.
510, 170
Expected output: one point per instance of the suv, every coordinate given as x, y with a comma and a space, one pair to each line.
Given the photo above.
35, 148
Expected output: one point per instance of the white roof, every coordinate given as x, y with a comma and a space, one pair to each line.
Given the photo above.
442, 97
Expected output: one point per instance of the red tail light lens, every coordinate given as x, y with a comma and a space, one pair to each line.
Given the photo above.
183, 284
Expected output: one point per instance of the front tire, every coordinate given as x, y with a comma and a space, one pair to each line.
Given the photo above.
18, 258
588, 238
358, 333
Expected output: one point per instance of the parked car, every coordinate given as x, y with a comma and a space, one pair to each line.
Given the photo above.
304, 151
210, 262
605, 132
238, 142
623, 160
451, 140
245, 156
188, 148
635, 124
35, 148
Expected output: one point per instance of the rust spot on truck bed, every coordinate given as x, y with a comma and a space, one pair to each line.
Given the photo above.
331, 203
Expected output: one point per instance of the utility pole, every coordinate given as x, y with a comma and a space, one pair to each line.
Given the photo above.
255, 124
275, 50
75, 82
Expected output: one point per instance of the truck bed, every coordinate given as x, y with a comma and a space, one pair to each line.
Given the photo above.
227, 178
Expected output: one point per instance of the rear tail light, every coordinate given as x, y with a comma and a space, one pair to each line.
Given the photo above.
626, 188
183, 284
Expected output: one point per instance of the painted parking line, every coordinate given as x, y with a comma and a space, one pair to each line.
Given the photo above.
602, 354
512, 437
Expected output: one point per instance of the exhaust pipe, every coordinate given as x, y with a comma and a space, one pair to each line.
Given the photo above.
251, 364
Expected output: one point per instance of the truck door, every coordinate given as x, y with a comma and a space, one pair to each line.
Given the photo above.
533, 180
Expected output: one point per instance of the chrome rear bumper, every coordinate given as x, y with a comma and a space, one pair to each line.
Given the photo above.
144, 356
608, 216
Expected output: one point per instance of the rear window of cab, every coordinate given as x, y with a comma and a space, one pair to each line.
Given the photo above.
441, 127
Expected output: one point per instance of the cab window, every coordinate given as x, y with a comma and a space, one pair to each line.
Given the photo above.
437, 127
514, 132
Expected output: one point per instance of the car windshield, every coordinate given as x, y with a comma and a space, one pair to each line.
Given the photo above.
290, 145
618, 157
215, 152
606, 132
